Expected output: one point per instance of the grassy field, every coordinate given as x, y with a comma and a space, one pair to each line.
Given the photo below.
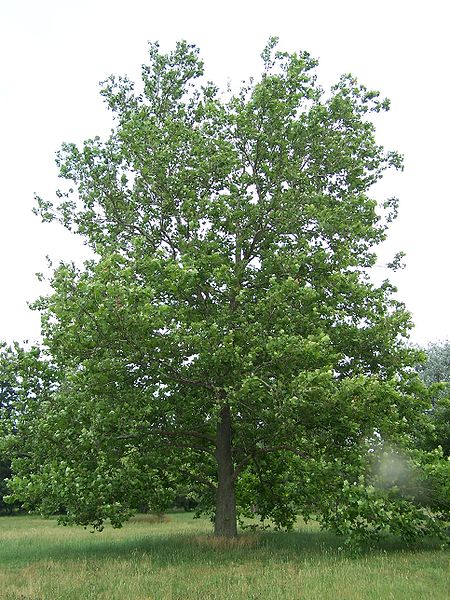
176, 559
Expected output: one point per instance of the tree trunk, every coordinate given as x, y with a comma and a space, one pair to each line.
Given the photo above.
225, 519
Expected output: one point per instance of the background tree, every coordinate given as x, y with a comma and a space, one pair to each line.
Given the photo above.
7, 397
436, 367
26, 383
227, 336
435, 372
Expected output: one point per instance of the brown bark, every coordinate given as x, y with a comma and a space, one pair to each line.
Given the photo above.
225, 518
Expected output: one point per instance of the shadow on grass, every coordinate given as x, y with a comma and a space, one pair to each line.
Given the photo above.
176, 549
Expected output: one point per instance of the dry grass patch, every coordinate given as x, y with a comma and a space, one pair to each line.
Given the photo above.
150, 518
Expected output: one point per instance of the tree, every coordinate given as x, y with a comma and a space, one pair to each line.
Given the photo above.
435, 372
7, 397
24, 380
436, 367
227, 336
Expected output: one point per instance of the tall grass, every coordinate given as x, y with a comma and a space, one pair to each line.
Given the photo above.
176, 559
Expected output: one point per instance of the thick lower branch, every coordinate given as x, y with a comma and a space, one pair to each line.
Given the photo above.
244, 462
199, 479
171, 436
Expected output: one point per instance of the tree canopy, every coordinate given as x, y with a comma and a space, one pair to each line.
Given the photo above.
227, 335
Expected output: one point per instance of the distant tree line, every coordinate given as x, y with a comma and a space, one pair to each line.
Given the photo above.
7, 395
434, 371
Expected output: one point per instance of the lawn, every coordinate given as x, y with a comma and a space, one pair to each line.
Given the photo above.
175, 559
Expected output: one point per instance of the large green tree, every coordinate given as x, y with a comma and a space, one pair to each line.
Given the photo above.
227, 335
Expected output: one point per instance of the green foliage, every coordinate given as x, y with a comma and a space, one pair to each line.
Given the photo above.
435, 372
5, 473
7, 397
233, 236
436, 367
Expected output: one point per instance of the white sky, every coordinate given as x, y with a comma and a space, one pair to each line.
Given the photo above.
53, 53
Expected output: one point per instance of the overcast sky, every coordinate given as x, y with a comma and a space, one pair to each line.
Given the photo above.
53, 53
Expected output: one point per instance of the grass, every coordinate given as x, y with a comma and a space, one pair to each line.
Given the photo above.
176, 559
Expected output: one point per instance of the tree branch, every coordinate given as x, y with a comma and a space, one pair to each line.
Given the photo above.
241, 465
173, 433
199, 479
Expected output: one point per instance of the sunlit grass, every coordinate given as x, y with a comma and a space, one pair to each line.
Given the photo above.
177, 559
